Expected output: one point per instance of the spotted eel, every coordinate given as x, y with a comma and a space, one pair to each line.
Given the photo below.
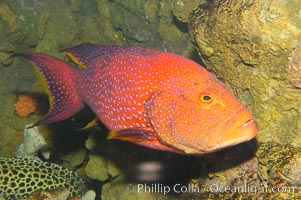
21, 176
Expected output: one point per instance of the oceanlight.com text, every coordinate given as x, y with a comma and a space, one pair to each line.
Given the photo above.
212, 188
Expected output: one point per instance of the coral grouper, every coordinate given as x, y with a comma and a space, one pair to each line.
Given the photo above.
155, 99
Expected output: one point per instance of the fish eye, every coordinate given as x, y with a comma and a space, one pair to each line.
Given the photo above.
206, 98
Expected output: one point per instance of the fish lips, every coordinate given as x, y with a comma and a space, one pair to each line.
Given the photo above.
239, 134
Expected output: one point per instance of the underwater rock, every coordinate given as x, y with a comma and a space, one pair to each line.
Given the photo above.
75, 158
134, 6
42, 24
113, 169
170, 33
105, 25
8, 16
5, 58
90, 195
254, 47
10, 137
280, 162
12, 30
182, 9
151, 9
97, 168
6, 47
134, 27
92, 141
33, 141
291, 172
76, 5
57, 29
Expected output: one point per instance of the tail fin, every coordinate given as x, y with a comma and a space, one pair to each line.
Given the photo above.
57, 80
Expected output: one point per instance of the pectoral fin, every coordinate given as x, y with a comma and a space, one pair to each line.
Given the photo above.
134, 135
143, 136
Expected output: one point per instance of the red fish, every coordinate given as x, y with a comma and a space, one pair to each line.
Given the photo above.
155, 99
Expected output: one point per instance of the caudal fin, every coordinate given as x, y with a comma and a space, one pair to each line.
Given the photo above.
57, 80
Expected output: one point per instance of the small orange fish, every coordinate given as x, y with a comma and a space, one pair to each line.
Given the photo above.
151, 98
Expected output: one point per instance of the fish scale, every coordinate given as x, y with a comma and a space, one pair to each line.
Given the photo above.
155, 99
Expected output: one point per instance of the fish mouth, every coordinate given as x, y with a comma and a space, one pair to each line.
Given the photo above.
240, 134
244, 133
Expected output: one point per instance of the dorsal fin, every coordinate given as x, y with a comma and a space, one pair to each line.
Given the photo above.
84, 54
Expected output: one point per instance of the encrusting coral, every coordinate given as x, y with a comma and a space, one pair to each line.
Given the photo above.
26, 104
